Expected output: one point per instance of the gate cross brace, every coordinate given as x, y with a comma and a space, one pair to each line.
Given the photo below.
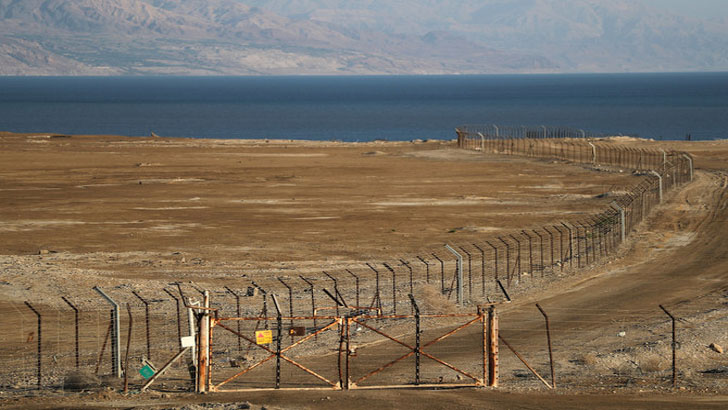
273, 354
414, 350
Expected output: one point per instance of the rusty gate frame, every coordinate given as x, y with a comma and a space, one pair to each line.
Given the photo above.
273, 353
419, 350
487, 317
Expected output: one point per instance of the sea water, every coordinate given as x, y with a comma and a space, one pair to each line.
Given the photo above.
659, 106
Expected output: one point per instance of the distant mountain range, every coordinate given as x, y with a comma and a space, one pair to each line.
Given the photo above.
252, 37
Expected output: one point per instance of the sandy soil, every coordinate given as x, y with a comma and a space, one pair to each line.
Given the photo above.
149, 211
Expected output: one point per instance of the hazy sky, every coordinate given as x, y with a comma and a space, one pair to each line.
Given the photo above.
692, 8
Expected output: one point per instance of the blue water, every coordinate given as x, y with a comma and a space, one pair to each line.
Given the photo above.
667, 106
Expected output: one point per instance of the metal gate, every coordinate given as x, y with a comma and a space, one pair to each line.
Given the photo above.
355, 350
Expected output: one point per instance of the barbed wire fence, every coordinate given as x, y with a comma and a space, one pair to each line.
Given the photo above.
43, 340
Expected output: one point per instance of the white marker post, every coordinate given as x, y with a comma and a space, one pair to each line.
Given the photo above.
460, 273
594, 153
690, 160
655, 173
115, 333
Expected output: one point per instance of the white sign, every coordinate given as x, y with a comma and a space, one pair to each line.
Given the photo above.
188, 341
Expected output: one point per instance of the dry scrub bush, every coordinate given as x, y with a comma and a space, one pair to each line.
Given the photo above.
652, 362
589, 359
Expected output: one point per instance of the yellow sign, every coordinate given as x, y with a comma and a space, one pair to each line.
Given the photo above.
263, 337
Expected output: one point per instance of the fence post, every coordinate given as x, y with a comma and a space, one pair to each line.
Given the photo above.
621, 220
551, 241
518, 257
540, 243
347, 379
594, 153
313, 301
530, 252
146, 317
39, 370
548, 338
459, 273
674, 344
336, 290
442, 273
492, 346
237, 312
470, 272
290, 303
659, 177
192, 323
690, 163
571, 245
394, 286
417, 338
179, 318
356, 278
203, 350
128, 346
411, 274
377, 299
427, 269
279, 333
508, 260
115, 348
586, 240
75, 310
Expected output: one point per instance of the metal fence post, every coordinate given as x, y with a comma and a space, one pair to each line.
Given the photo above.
427, 269
146, 317
548, 338
530, 252
674, 346
76, 312
442, 273
279, 333
623, 229
179, 318
377, 299
237, 312
470, 272
203, 351
459, 273
128, 346
394, 287
492, 346
356, 278
518, 257
115, 348
690, 164
417, 338
39, 369
508, 260
313, 301
659, 177
336, 290
411, 274
571, 245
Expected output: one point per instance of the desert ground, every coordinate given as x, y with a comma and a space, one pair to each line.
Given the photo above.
141, 213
